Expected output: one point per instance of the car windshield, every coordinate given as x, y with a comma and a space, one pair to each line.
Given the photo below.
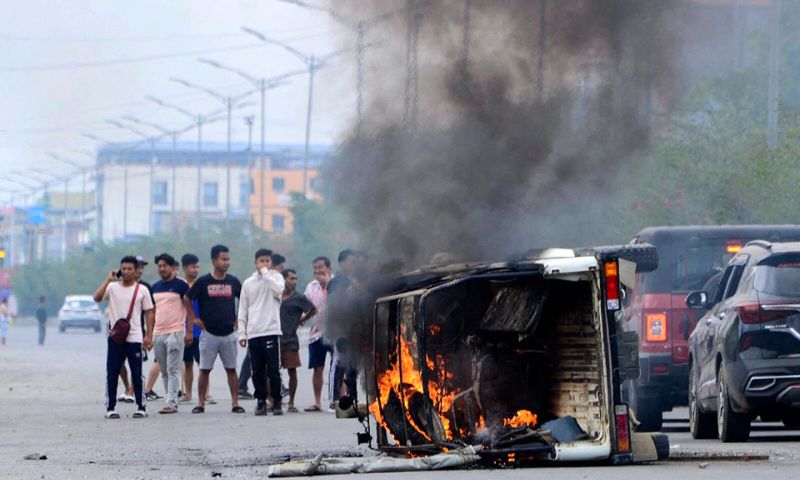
781, 280
80, 304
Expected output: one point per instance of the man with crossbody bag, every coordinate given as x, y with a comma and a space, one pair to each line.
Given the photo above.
127, 299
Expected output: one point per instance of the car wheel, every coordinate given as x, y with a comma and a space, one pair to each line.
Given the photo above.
648, 412
702, 425
732, 426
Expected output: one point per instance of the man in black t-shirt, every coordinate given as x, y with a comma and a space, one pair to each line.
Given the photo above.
216, 295
296, 309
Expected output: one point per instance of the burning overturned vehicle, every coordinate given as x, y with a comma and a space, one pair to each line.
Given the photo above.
524, 360
508, 363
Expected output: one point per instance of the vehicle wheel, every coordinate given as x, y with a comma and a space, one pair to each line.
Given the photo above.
732, 426
702, 425
648, 412
661, 442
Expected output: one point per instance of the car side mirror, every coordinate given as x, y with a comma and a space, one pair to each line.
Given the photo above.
697, 300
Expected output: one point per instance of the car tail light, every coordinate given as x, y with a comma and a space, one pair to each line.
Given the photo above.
753, 313
733, 247
623, 429
656, 327
612, 285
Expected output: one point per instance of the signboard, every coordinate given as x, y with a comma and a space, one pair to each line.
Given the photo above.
36, 215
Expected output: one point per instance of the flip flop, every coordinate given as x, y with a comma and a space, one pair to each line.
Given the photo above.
167, 410
198, 409
292, 410
313, 408
237, 409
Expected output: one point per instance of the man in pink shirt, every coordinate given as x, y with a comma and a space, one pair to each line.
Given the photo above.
169, 334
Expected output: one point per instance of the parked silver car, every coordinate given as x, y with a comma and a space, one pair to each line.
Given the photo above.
79, 311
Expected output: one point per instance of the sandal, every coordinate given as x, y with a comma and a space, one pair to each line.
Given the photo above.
292, 409
167, 409
237, 409
313, 408
198, 409
112, 414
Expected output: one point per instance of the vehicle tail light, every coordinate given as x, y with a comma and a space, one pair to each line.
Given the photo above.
660, 368
623, 428
733, 247
656, 327
612, 285
753, 313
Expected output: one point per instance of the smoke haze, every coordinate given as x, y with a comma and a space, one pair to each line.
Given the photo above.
502, 155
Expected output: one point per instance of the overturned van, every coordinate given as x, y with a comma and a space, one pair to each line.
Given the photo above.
522, 361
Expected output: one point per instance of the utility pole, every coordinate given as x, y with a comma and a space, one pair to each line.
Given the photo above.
263, 84
314, 64
773, 91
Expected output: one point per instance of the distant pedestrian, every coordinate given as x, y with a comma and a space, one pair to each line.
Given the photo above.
260, 329
216, 295
170, 334
127, 299
318, 349
278, 262
296, 310
41, 318
339, 300
4, 319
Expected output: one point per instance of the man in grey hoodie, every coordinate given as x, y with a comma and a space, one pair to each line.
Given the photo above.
260, 329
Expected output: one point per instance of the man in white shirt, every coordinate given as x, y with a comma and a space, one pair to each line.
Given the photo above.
318, 349
260, 329
122, 292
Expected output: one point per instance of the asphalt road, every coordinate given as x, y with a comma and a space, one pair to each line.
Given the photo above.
51, 403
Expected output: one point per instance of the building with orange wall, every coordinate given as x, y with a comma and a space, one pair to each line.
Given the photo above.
278, 186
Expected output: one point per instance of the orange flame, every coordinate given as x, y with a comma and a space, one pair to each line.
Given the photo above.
523, 418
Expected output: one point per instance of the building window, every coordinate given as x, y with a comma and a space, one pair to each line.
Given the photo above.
277, 223
244, 192
278, 184
160, 193
210, 194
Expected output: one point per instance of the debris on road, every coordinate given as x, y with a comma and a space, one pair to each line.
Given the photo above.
377, 464
35, 456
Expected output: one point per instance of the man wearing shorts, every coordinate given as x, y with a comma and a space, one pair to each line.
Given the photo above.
318, 350
191, 353
216, 295
296, 309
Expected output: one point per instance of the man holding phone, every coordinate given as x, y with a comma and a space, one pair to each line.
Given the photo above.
126, 300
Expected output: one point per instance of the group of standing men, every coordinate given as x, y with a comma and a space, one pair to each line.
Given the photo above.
196, 318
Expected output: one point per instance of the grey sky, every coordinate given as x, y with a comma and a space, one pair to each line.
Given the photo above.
46, 109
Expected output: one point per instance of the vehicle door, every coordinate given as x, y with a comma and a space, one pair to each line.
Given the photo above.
702, 338
723, 315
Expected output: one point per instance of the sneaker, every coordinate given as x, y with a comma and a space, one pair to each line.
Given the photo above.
261, 408
277, 410
245, 395
112, 414
151, 395
210, 400
139, 414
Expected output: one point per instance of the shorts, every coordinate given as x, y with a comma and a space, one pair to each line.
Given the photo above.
192, 353
317, 351
290, 359
213, 345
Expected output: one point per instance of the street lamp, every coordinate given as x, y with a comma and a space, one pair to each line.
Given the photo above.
314, 64
360, 28
262, 84
229, 103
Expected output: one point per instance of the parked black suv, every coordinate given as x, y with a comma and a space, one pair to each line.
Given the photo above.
744, 355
